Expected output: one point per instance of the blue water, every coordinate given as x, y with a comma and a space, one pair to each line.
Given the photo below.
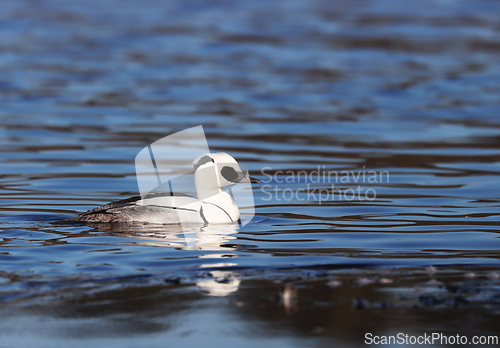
410, 89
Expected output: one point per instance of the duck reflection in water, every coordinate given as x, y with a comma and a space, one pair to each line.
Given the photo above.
208, 238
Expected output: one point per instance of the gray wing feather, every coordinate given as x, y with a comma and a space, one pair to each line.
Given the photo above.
126, 210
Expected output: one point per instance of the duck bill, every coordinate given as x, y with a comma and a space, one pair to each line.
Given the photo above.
244, 177
254, 180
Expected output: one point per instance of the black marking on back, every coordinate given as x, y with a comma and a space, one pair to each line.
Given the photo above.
203, 216
103, 209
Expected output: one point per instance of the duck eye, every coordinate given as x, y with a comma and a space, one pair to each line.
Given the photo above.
229, 174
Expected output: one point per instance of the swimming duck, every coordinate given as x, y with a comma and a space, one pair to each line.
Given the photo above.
213, 205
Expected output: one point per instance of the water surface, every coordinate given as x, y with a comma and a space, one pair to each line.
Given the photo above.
408, 89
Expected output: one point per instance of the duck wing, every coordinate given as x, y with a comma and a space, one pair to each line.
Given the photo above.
127, 210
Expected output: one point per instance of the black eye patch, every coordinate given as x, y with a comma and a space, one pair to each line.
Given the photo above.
229, 174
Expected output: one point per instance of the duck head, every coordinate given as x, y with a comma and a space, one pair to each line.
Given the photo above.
213, 171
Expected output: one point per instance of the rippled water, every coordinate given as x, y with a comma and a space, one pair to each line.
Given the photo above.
410, 89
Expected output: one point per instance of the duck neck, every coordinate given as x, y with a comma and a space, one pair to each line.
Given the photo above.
212, 193
223, 200
219, 198
205, 193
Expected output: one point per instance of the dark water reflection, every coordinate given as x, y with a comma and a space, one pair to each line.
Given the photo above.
329, 308
411, 89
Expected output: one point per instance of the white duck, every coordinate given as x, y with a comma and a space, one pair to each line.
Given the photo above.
213, 205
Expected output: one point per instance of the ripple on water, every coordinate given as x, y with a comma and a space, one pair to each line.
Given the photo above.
411, 90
